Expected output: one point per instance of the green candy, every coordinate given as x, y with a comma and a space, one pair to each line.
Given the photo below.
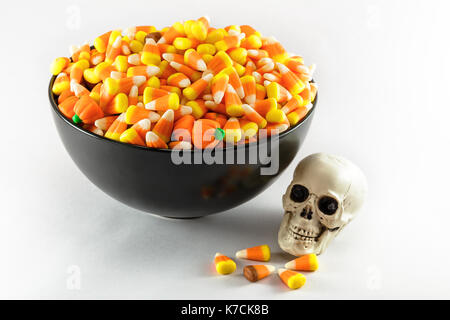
76, 119
219, 134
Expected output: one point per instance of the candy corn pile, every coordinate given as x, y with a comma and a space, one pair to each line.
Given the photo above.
293, 279
184, 86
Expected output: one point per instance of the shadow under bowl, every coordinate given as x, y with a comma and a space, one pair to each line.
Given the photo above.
149, 180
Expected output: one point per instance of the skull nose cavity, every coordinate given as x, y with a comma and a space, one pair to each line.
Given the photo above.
306, 213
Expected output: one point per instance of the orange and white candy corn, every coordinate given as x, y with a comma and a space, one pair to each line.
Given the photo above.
105, 123
152, 140
232, 130
170, 101
258, 253
117, 128
307, 262
179, 80
194, 60
289, 80
224, 265
257, 272
220, 61
233, 103
254, 116
163, 128
219, 87
249, 86
194, 90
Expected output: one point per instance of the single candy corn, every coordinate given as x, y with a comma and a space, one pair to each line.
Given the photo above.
296, 115
176, 30
147, 71
101, 42
224, 265
61, 83
295, 102
151, 94
198, 108
152, 140
104, 123
277, 91
258, 253
150, 53
182, 128
219, 87
233, 103
220, 61
260, 92
117, 128
249, 85
292, 279
58, 65
78, 89
118, 105
193, 59
135, 114
249, 129
187, 71
254, 116
232, 130
307, 262
163, 128
235, 81
179, 80
171, 101
173, 57
289, 80
137, 133
194, 90
257, 272
182, 111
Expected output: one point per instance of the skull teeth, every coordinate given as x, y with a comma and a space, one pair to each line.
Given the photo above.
303, 234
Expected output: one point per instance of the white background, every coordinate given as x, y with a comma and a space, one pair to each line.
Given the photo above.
383, 71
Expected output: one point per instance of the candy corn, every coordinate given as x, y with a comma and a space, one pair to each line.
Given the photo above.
117, 128
224, 265
163, 128
304, 263
257, 272
232, 130
226, 82
193, 91
233, 103
152, 140
259, 253
292, 279
170, 101
194, 60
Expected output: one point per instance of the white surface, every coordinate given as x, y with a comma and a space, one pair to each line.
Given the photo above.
383, 71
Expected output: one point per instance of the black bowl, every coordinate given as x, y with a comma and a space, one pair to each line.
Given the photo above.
148, 179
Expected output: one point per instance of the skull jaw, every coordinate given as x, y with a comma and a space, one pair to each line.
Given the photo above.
296, 246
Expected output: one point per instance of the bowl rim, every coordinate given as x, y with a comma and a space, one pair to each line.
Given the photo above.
55, 108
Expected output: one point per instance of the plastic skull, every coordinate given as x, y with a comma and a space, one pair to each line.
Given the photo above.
325, 194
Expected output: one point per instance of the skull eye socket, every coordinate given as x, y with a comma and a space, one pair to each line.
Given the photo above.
328, 205
299, 193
